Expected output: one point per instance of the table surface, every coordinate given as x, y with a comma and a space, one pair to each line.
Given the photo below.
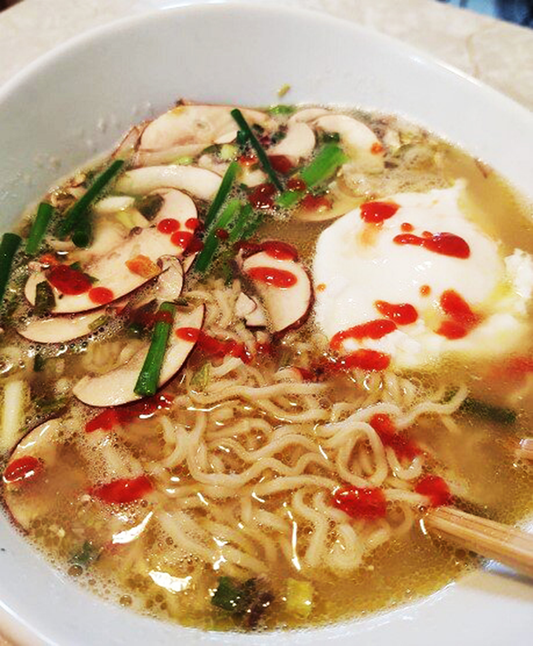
498, 53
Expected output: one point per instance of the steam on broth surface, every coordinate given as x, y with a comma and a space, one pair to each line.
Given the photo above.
232, 388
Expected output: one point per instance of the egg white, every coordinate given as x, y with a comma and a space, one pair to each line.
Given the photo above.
357, 263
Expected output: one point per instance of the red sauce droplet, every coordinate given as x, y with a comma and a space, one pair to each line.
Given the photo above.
181, 238
316, 203
400, 313
372, 330
144, 409
363, 359
222, 234
123, 491
462, 318
195, 245
367, 503
101, 295
190, 334
407, 228
168, 225
376, 148
425, 290
192, 224
22, 469
68, 281
377, 212
281, 163
452, 330
445, 244
320, 287
455, 306
427, 234
280, 278
279, 250
105, 421
247, 160
262, 197
388, 434
296, 184
436, 489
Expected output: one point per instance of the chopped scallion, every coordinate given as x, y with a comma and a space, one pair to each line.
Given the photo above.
211, 242
8, 248
497, 414
81, 207
38, 228
282, 110
324, 165
44, 298
148, 380
260, 152
222, 193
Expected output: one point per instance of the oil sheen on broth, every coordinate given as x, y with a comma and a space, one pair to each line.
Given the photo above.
338, 362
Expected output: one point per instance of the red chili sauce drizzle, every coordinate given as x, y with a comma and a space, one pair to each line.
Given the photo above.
262, 197
461, 317
445, 244
279, 250
23, 469
378, 212
368, 503
280, 278
400, 313
388, 434
436, 489
372, 330
101, 295
168, 225
145, 409
281, 163
123, 490
214, 347
68, 281
362, 359
315, 203
181, 239
193, 224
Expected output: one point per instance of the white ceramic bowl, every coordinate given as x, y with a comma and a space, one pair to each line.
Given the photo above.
77, 101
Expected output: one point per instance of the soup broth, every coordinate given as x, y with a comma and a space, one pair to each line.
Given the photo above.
277, 469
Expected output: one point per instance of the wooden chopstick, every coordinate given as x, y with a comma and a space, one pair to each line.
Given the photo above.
524, 448
508, 545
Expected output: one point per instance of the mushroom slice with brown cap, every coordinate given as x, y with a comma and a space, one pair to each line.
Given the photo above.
188, 129
298, 144
26, 469
284, 287
60, 329
197, 181
116, 387
112, 271
357, 139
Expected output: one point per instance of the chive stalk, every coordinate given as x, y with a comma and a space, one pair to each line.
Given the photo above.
38, 228
222, 193
82, 233
80, 208
497, 414
8, 248
324, 165
211, 242
289, 198
260, 152
148, 379
246, 216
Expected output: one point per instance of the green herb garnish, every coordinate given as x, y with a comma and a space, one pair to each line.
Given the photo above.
150, 205
44, 299
38, 228
148, 380
259, 150
8, 248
